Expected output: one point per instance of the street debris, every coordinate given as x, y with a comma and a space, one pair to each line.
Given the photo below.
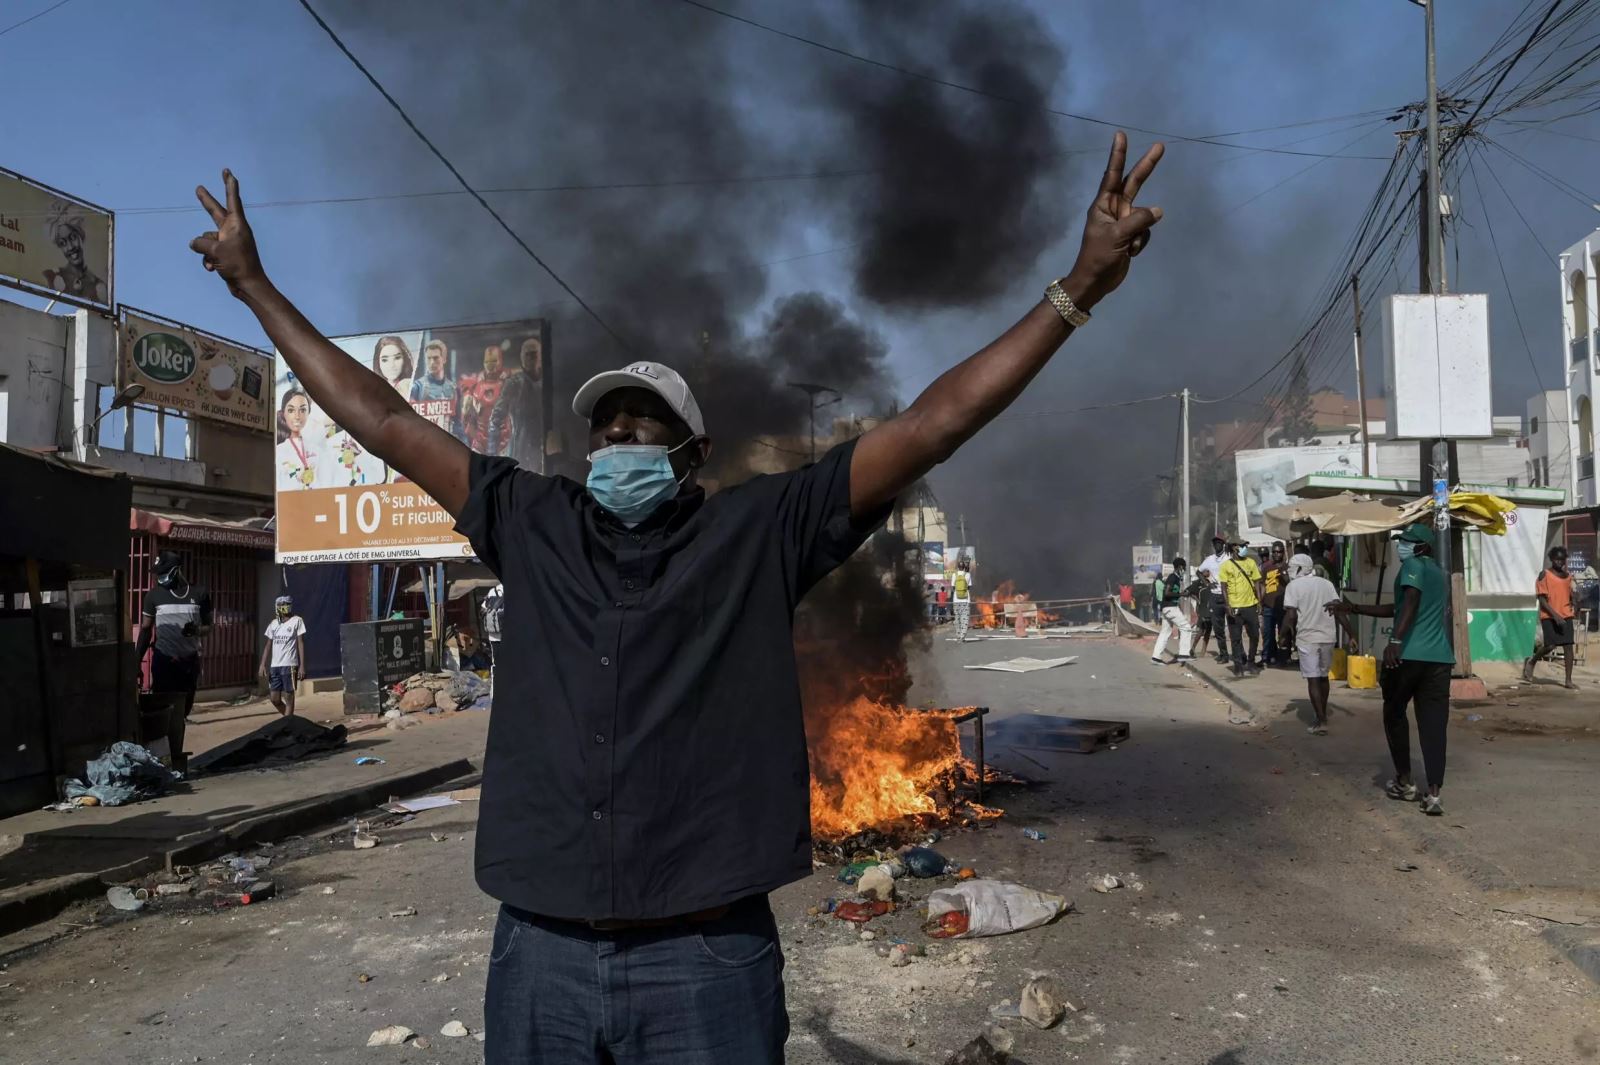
1041, 1003
1025, 665
367, 759
1406, 867
280, 741
923, 862
392, 1036
465, 794
978, 1052
877, 883
125, 899
125, 773
861, 912
454, 1030
990, 908
440, 978
1106, 883
259, 891
174, 889
438, 837
417, 806
433, 693
1035, 835
409, 911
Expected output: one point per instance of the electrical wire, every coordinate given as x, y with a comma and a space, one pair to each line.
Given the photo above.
474, 193
1494, 243
18, 25
1000, 97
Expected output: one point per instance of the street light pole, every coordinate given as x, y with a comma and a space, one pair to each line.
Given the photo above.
812, 392
1183, 511
1436, 276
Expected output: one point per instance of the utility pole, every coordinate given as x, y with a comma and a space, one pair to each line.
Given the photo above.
1183, 508
1436, 458
1361, 379
812, 392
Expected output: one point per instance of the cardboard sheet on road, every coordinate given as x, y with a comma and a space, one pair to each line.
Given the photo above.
1025, 665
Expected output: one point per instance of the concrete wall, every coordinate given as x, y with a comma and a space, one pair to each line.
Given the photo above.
233, 458
33, 375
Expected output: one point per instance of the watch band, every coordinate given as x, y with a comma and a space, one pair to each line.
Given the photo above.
1074, 315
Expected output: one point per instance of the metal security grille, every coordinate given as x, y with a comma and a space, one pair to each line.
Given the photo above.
231, 651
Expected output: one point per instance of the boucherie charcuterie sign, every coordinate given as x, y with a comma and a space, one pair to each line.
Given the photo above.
194, 372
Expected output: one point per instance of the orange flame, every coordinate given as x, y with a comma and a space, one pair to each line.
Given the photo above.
873, 764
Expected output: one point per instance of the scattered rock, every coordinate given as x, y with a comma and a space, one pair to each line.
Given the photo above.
876, 883
1105, 883
438, 837
409, 911
416, 699
445, 701
1041, 1004
329, 890
421, 1042
1406, 867
455, 1030
979, 1052
868, 935
392, 1036
365, 842
441, 978
363, 978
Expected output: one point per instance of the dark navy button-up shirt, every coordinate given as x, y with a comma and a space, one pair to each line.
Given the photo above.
646, 753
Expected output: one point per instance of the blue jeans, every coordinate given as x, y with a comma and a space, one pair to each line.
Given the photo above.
709, 993
1269, 634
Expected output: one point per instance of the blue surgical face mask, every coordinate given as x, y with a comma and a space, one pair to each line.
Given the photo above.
1405, 549
632, 480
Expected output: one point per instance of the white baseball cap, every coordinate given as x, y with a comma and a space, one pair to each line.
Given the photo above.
664, 381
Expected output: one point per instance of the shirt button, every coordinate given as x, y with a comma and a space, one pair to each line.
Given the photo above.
599, 737
634, 537
628, 584
597, 815
605, 661
618, 604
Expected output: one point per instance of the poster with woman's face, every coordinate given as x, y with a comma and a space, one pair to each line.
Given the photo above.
483, 384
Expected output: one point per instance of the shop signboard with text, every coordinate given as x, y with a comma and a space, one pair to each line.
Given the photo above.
192, 371
1264, 475
1146, 563
53, 243
486, 385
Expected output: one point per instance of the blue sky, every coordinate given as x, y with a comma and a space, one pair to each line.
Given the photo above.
129, 103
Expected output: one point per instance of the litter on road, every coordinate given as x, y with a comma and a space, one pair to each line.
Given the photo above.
125, 773
454, 1030
416, 806
1025, 665
990, 908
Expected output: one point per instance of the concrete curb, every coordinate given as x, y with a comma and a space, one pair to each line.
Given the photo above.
1226, 691
31, 904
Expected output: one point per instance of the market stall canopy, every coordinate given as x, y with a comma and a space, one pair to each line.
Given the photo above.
197, 528
1349, 514
55, 510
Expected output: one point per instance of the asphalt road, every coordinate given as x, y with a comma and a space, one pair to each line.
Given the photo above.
1274, 924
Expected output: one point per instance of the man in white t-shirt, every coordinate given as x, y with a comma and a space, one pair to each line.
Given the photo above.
1214, 601
286, 653
1306, 621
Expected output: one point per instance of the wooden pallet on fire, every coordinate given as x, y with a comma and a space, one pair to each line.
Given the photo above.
1049, 732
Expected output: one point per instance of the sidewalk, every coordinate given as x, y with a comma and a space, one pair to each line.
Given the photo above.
1518, 791
50, 858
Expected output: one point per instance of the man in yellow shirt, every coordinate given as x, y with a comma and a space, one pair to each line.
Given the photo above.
1241, 582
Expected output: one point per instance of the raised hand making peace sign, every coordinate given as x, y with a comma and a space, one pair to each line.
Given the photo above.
230, 249
1116, 230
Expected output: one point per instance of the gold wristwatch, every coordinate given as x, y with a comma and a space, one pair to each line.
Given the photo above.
1074, 315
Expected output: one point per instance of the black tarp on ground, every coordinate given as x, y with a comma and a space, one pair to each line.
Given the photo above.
288, 739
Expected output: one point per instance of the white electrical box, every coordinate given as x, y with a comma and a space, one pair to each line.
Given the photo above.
1436, 366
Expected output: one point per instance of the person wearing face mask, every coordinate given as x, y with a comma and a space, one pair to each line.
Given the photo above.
1416, 664
176, 615
645, 783
284, 655
1174, 616
1241, 583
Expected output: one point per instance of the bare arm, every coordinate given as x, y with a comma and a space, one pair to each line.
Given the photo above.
358, 400
299, 657
266, 648
1291, 618
968, 396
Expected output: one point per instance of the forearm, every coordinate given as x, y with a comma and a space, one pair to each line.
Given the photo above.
358, 401
1372, 610
142, 643
953, 408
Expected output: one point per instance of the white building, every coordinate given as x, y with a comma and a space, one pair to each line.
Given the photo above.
1547, 437
1580, 299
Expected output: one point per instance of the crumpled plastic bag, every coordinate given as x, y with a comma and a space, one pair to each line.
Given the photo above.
994, 907
125, 773
465, 686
